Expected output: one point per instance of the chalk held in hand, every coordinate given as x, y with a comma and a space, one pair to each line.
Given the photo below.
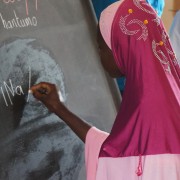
43, 91
30, 91
61, 97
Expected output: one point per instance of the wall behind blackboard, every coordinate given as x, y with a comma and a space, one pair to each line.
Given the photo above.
54, 41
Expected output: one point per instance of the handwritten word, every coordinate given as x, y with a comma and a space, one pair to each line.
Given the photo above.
16, 22
26, 4
9, 91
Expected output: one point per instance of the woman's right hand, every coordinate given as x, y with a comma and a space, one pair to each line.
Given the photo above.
47, 93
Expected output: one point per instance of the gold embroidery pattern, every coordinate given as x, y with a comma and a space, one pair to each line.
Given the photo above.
161, 56
143, 26
123, 27
138, 4
157, 20
157, 47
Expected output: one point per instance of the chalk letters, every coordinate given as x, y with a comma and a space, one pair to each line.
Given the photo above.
9, 90
16, 21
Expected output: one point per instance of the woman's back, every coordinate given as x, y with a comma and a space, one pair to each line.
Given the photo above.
149, 116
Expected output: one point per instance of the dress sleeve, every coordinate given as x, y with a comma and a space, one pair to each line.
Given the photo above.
94, 140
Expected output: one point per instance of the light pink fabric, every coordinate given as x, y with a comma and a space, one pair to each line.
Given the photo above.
94, 140
106, 20
155, 167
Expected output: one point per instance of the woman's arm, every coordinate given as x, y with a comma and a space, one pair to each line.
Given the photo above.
48, 95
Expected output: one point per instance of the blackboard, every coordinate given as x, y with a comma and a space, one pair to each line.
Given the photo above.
54, 41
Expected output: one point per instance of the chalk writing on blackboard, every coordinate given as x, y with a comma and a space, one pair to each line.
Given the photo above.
16, 21
9, 90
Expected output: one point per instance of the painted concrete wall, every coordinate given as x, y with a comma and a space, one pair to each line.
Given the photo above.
171, 7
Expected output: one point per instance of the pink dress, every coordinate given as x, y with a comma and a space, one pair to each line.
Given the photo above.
144, 142
155, 167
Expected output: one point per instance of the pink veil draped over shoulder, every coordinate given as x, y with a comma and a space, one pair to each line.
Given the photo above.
148, 121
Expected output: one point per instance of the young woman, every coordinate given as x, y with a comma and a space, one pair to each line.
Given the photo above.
144, 142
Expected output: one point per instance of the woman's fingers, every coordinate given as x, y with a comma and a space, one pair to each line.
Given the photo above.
42, 89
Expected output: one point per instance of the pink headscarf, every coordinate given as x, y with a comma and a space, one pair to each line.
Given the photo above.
148, 121
105, 22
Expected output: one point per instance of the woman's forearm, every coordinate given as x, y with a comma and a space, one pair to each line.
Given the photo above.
77, 125
48, 95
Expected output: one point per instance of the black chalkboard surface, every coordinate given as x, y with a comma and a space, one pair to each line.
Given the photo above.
53, 41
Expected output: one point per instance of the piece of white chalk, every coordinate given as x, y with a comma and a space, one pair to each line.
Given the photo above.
60, 96
30, 91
